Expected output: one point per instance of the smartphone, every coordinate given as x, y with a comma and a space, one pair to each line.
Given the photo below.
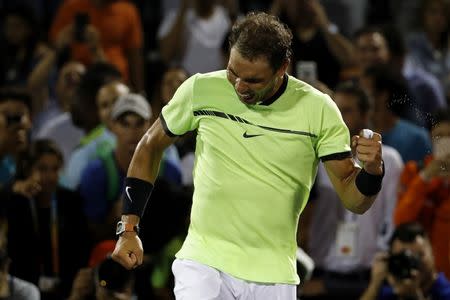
80, 23
306, 70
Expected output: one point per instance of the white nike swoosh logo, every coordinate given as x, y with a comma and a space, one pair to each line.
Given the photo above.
128, 194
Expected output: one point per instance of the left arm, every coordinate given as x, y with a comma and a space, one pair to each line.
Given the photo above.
341, 48
348, 178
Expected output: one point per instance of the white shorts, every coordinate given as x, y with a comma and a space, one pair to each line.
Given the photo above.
195, 281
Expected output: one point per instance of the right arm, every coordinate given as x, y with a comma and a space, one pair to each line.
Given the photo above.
171, 44
143, 166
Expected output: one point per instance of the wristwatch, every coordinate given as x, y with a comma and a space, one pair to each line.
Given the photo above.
126, 227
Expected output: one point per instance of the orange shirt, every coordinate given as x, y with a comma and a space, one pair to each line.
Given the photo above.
429, 204
118, 23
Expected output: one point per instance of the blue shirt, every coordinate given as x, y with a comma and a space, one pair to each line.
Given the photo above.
94, 184
83, 155
7, 170
411, 141
440, 290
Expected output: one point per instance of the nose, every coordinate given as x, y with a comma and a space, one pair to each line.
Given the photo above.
240, 86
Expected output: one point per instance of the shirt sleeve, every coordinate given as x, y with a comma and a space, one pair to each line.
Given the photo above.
177, 116
334, 137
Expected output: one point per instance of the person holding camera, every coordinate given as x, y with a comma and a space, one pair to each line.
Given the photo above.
408, 270
425, 192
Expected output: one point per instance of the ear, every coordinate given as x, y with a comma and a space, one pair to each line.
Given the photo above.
283, 69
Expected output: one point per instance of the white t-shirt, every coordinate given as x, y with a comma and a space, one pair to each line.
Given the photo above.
204, 38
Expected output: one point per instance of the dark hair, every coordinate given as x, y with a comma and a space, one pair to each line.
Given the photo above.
440, 116
394, 40
36, 150
424, 5
407, 232
84, 104
352, 88
385, 78
28, 15
19, 94
113, 276
260, 34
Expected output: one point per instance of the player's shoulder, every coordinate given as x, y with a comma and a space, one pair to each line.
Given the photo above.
308, 93
210, 79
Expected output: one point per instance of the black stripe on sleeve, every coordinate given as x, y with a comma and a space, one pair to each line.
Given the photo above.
336, 156
166, 129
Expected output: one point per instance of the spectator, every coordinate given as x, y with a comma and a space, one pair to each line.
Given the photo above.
388, 90
48, 217
60, 128
21, 48
107, 281
412, 275
102, 179
15, 106
85, 115
343, 244
106, 97
425, 193
193, 35
376, 45
429, 45
315, 39
117, 25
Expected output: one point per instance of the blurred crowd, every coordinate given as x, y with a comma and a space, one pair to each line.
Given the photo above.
82, 80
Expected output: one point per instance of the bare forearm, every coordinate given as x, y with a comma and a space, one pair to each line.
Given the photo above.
171, 45
371, 293
39, 76
352, 198
340, 47
146, 160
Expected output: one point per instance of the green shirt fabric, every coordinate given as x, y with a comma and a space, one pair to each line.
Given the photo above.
253, 172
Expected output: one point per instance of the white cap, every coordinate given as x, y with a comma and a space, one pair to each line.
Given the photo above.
133, 103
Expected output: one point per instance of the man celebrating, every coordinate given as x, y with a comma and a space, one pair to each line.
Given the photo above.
260, 136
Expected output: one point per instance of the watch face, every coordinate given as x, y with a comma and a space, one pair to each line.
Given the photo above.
120, 227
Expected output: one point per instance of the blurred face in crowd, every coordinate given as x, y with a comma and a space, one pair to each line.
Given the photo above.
379, 99
440, 136
435, 16
47, 168
16, 30
171, 80
421, 248
353, 117
107, 96
68, 79
129, 129
371, 49
254, 81
15, 123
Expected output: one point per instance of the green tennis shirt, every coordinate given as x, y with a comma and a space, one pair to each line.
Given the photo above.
254, 168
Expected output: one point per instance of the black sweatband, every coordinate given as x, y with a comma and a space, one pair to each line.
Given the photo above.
136, 194
368, 184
